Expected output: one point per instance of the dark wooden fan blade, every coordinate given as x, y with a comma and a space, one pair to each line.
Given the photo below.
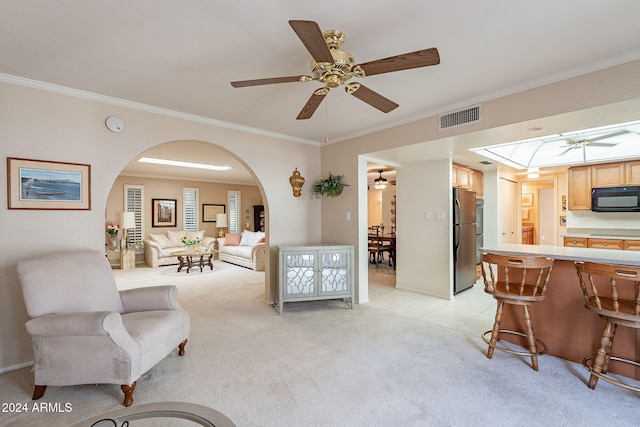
417, 59
312, 38
270, 81
310, 107
374, 99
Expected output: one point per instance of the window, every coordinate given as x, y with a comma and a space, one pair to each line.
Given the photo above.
190, 196
233, 213
133, 202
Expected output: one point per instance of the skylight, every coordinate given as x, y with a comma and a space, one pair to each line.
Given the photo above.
621, 141
183, 164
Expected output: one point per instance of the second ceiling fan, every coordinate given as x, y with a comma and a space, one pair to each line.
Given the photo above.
334, 67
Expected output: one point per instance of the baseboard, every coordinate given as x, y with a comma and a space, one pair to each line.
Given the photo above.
15, 367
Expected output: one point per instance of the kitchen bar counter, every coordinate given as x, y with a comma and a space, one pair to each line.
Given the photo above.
568, 253
561, 321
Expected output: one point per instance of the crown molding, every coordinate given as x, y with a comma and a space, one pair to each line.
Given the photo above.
91, 96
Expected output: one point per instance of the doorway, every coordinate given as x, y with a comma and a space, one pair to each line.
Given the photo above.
381, 220
538, 212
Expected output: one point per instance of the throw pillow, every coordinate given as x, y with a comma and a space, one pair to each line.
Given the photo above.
250, 238
161, 240
175, 237
231, 239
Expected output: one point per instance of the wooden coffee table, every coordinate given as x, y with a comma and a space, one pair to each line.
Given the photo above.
186, 259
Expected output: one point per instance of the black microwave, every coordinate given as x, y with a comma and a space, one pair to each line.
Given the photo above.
616, 199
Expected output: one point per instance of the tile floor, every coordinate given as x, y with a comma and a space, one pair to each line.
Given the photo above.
471, 311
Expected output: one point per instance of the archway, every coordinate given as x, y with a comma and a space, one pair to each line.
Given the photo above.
168, 182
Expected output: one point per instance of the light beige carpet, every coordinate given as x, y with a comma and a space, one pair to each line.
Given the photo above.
322, 364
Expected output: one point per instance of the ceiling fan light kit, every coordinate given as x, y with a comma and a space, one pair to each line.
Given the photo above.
380, 183
333, 67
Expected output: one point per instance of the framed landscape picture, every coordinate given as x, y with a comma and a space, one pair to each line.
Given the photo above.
209, 212
41, 184
163, 212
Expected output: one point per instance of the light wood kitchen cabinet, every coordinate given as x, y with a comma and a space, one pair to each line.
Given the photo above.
631, 245
466, 178
477, 184
579, 188
461, 176
527, 235
605, 243
633, 172
576, 242
602, 243
607, 175
583, 178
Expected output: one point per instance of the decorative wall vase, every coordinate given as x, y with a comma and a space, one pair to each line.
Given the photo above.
297, 181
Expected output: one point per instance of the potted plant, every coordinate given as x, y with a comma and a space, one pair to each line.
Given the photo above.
191, 244
331, 187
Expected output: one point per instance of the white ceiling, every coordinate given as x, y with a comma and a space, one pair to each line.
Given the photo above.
182, 55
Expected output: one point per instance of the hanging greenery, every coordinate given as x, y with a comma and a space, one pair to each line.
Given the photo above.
331, 187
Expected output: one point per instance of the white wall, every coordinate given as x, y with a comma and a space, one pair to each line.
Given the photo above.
425, 245
44, 125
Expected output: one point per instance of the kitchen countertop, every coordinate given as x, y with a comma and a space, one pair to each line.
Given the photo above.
608, 256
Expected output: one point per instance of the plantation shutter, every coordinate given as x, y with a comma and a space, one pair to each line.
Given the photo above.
190, 209
233, 214
133, 202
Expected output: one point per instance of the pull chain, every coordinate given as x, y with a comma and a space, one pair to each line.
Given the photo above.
326, 120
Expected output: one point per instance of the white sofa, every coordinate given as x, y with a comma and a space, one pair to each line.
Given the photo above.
159, 248
247, 250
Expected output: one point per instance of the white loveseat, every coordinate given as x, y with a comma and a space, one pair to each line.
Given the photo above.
247, 249
159, 248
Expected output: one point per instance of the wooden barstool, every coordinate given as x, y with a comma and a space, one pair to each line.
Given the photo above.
520, 281
613, 293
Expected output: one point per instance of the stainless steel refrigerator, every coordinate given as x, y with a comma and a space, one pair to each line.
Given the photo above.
464, 239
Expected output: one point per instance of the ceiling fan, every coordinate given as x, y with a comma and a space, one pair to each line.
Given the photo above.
592, 142
334, 67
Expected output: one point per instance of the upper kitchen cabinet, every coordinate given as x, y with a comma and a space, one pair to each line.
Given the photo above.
461, 176
467, 178
583, 178
607, 175
579, 188
478, 182
633, 172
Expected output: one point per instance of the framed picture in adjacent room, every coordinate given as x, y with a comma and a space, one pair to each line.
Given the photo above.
209, 212
48, 185
163, 212
527, 199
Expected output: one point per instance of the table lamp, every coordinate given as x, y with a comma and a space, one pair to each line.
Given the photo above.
221, 224
127, 221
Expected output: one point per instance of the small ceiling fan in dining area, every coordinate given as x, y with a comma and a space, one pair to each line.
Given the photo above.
333, 67
380, 183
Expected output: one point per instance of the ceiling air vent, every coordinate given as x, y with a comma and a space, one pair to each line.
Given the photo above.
460, 117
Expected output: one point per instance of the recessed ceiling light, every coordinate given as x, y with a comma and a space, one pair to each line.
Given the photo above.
183, 164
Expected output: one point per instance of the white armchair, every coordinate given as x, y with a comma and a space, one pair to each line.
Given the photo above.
86, 332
